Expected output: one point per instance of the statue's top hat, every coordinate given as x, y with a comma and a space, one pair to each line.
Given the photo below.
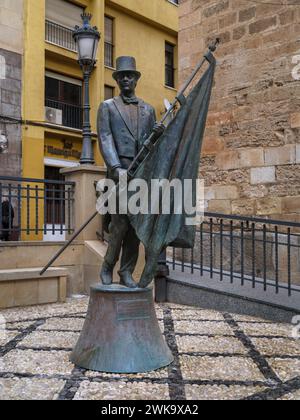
126, 64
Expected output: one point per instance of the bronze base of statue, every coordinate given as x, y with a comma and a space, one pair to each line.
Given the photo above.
121, 333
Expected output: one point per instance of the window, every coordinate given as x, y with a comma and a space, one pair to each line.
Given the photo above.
109, 42
65, 95
170, 71
109, 92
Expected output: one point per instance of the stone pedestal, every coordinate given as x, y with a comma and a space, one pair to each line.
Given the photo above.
121, 333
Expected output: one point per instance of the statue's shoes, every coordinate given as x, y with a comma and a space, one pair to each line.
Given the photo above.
126, 279
106, 276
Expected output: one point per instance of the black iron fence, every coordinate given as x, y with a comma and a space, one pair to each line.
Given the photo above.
60, 35
244, 250
32, 208
71, 115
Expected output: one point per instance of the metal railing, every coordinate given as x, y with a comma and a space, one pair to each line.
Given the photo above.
60, 35
35, 207
71, 114
109, 54
244, 250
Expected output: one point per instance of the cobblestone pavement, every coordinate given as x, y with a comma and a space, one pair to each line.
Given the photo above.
217, 356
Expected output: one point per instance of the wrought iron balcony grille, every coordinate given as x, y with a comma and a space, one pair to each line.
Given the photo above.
60, 35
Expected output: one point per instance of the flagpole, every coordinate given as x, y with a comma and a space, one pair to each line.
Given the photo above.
144, 152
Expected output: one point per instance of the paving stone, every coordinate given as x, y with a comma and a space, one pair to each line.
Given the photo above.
197, 327
220, 368
286, 369
223, 392
19, 325
266, 329
7, 336
42, 339
121, 391
197, 314
30, 389
295, 396
66, 324
277, 346
73, 306
221, 345
37, 362
158, 374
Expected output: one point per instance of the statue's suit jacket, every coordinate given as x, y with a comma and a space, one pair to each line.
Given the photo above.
116, 137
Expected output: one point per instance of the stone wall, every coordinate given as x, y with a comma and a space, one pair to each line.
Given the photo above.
11, 50
251, 153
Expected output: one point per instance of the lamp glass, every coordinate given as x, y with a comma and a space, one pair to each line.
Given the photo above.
96, 42
86, 47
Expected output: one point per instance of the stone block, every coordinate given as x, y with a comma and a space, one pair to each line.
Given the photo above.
228, 160
8, 97
288, 174
298, 153
228, 20
62, 289
225, 192
239, 32
291, 204
262, 25
26, 293
220, 206
266, 175
243, 207
284, 155
295, 120
217, 8
212, 146
247, 14
47, 291
9, 110
11, 85
251, 157
268, 206
287, 17
7, 295
219, 118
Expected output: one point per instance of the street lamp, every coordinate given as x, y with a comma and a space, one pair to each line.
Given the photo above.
87, 39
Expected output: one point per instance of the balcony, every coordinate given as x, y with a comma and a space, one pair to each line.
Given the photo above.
60, 35
70, 115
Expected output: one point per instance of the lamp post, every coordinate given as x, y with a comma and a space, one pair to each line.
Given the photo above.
87, 39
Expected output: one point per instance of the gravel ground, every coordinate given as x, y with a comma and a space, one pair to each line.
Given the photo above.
217, 357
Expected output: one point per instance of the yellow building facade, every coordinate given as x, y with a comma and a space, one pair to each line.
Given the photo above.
140, 28
52, 78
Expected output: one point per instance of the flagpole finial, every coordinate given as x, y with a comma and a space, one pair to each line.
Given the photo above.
214, 44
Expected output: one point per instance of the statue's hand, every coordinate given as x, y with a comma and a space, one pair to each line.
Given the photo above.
159, 129
119, 173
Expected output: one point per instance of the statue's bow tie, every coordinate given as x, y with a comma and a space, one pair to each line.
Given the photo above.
133, 100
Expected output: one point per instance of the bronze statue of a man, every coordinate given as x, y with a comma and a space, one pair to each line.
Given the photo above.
124, 124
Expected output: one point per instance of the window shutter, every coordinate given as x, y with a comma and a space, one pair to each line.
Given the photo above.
64, 13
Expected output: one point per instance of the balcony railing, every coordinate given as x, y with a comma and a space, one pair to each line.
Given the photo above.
60, 35
71, 114
34, 207
109, 54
